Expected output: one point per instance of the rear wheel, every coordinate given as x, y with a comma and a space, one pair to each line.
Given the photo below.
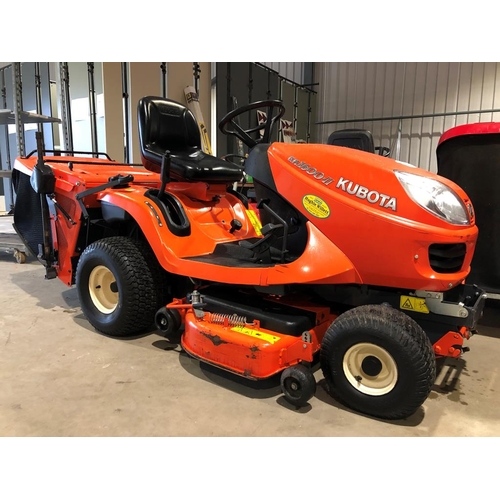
162, 279
116, 287
378, 361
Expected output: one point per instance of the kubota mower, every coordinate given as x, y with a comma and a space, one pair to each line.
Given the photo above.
350, 259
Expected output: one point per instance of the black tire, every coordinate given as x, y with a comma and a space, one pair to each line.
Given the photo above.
298, 385
126, 306
162, 279
378, 361
168, 321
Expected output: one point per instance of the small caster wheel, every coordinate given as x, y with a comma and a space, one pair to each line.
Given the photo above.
20, 257
298, 385
168, 321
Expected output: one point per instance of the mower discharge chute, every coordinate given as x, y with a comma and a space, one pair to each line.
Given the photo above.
345, 257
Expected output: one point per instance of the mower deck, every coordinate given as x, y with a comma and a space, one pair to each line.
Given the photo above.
251, 335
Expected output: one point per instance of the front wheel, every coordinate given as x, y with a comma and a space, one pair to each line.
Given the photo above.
378, 361
116, 287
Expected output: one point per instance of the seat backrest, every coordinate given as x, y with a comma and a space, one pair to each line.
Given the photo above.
352, 138
165, 124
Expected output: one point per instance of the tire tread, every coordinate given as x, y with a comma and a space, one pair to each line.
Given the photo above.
404, 331
141, 297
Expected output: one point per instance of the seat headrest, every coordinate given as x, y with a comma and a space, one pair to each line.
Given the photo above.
352, 138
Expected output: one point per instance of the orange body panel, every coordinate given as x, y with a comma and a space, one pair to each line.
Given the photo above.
70, 182
365, 229
387, 245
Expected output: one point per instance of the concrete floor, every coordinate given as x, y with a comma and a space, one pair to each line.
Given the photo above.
58, 377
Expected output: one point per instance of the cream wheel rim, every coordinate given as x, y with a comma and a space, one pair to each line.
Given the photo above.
103, 289
370, 369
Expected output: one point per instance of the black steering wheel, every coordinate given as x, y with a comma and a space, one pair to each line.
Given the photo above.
230, 158
267, 126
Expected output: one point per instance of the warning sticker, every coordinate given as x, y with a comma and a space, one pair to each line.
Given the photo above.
413, 304
255, 221
255, 333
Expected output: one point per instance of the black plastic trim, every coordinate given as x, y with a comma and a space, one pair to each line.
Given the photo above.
275, 317
171, 209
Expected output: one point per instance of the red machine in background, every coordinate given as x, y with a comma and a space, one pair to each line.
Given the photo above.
469, 155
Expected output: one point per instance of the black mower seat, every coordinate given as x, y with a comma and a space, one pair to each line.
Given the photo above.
165, 124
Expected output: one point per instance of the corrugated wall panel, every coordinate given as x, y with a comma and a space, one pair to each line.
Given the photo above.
354, 91
292, 70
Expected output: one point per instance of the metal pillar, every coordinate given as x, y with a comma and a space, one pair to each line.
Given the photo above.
398, 140
7, 183
38, 95
4, 106
295, 107
66, 107
126, 117
163, 67
17, 86
309, 110
93, 114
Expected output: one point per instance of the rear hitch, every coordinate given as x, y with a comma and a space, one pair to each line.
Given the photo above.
451, 344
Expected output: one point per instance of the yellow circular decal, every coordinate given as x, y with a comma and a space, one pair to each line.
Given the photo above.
316, 206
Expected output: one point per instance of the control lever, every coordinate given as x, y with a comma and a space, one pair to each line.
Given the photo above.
236, 225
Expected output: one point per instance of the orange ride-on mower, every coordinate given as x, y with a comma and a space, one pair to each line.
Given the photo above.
351, 260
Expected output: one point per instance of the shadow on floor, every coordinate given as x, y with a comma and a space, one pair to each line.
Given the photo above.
70, 297
323, 394
254, 389
270, 388
448, 380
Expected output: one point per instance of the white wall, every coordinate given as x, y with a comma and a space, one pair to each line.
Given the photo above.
389, 89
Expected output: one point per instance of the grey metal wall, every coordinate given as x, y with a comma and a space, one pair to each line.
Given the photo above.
359, 90
292, 70
250, 82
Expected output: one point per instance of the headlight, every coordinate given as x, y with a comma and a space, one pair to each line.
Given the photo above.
435, 197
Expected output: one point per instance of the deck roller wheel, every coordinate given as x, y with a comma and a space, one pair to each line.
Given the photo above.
298, 385
168, 321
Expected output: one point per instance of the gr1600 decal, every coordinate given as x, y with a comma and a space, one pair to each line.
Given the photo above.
308, 169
